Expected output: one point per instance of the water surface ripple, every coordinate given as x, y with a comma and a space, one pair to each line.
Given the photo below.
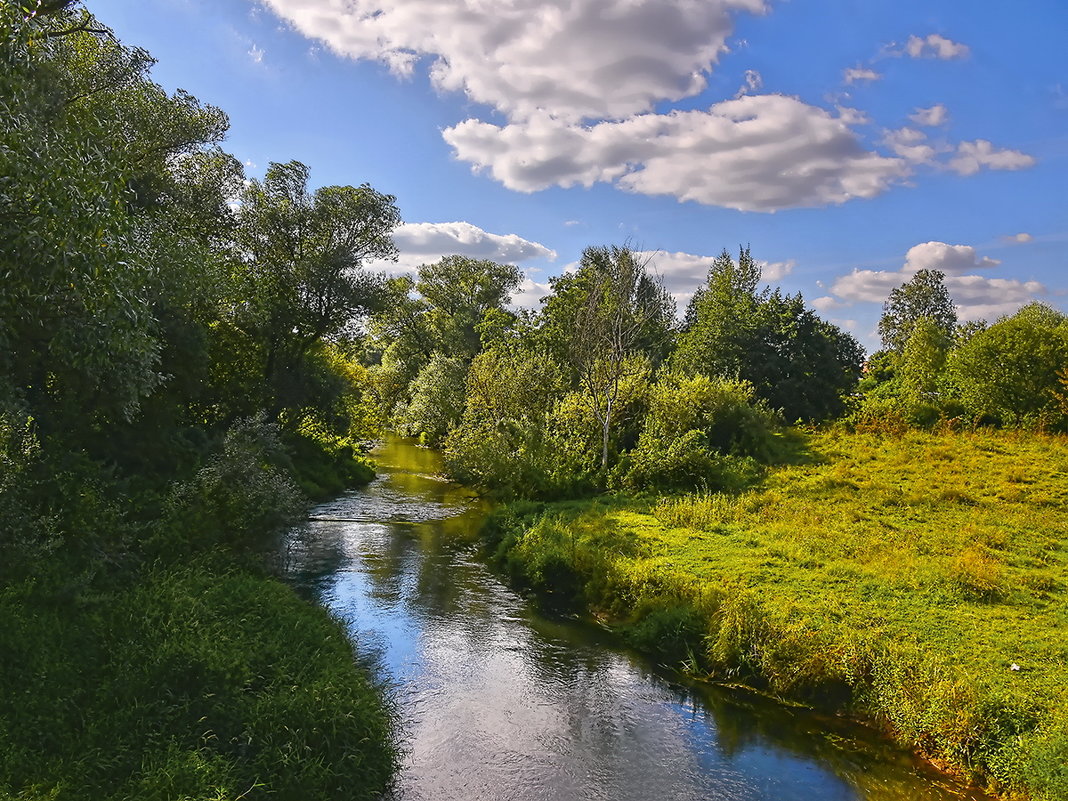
500, 703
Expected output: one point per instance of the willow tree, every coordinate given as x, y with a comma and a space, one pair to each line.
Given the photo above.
301, 264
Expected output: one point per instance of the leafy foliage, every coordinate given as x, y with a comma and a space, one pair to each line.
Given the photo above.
924, 296
795, 361
1009, 371
699, 433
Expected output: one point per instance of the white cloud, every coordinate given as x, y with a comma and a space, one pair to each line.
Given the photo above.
935, 46
754, 153
577, 81
256, 53
680, 272
973, 156
754, 82
425, 243
976, 297
530, 293
950, 259
931, 117
771, 271
1017, 239
909, 144
827, 303
855, 74
852, 116
595, 59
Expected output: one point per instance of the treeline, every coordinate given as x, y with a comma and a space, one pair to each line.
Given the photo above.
177, 377
154, 300
602, 387
932, 368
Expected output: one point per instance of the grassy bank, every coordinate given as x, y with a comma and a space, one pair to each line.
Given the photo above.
147, 653
920, 580
204, 681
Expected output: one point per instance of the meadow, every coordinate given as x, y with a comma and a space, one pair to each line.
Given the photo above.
916, 579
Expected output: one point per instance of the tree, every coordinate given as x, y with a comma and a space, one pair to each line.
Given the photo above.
923, 295
95, 264
437, 399
502, 439
605, 319
461, 291
301, 259
1009, 371
921, 363
720, 321
795, 361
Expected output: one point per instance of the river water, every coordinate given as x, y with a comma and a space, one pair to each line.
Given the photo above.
497, 702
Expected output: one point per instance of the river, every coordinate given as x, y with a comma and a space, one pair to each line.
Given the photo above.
497, 702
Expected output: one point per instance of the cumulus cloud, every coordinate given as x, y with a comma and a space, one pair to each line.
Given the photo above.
935, 46
909, 144
950, 259
754, 153
576, 82
776, 270
827, 303
931, 117
530, 293
973, 156
976, 296
1017, 239
593, 59
424, 243
856, 74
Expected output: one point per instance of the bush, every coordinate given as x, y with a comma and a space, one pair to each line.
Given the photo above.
239, 496
1008, 372
699, 433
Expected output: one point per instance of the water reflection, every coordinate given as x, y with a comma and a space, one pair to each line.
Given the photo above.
500, 703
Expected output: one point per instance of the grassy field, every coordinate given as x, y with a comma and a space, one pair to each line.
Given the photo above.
919, 579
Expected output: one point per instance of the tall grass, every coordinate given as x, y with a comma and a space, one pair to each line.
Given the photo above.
197, 682
897, 577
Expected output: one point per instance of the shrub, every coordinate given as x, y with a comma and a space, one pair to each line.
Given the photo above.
699, 433
241, 494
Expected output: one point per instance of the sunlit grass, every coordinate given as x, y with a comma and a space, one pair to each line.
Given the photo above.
921, 579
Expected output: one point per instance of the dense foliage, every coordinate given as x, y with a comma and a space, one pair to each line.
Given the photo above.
187, 355
1011, 373
175, 368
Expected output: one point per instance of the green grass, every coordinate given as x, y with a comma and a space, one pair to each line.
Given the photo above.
203, 681
899, 578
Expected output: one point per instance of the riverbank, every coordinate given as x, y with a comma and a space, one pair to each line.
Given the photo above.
159, 659
917, 580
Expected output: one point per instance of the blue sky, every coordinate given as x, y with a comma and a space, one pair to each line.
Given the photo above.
849, 142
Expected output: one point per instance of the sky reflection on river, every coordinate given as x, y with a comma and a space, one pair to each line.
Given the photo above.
500, 703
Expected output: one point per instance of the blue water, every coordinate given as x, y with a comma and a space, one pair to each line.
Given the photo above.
497, 702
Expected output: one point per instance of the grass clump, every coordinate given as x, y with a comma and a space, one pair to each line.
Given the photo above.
919, 579
200, 681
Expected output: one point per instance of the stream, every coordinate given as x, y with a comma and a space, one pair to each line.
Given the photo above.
498, 702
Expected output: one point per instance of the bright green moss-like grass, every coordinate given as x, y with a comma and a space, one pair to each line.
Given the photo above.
920, 579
